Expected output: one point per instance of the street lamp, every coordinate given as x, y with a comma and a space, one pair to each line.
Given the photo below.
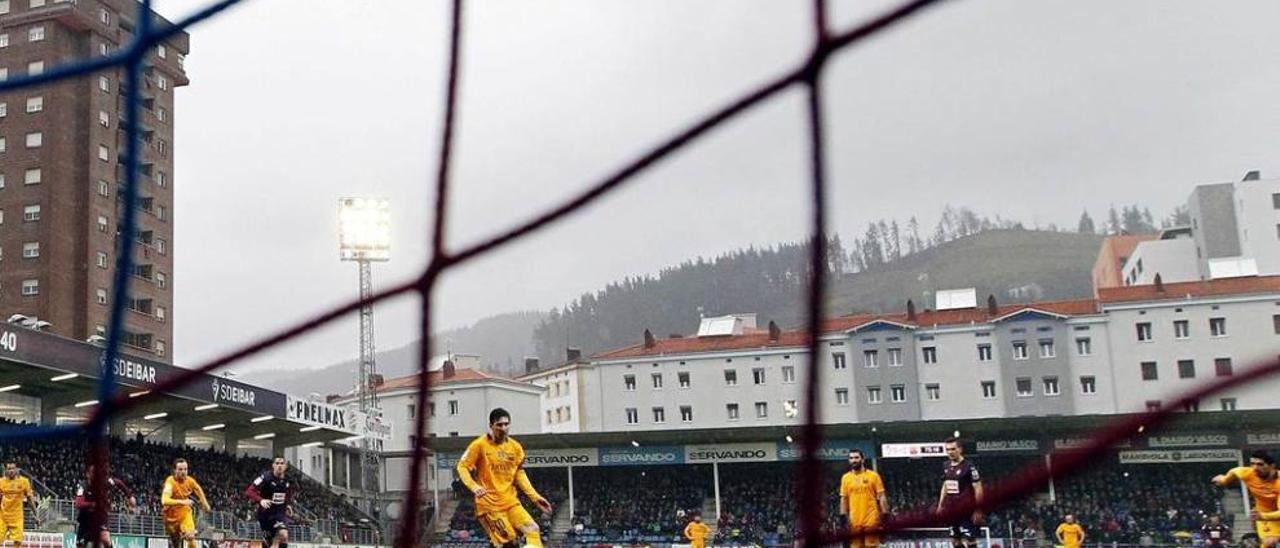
364, 237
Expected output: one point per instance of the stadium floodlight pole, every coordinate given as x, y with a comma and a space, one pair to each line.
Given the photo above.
364, 237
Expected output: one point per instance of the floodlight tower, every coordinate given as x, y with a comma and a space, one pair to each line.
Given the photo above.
364, 236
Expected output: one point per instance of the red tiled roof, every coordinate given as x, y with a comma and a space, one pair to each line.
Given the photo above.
797, 338
436, 378
1181, 290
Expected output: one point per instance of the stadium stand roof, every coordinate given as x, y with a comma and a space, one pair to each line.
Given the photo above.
61, 371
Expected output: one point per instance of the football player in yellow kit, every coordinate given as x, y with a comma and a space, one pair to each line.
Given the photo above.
498, 462
14, 490
175, 498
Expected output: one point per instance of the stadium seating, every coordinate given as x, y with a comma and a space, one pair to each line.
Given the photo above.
57, 466
1116, 503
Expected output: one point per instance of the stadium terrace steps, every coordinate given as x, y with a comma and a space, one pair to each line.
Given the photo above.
1233, 505
448, 506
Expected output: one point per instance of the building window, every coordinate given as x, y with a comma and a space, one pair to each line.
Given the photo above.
160, 314
161, 51
102, 296
1023, 384
870, 358
104, 84
898, 393
1088, 385
933, 392
1222, 367
930, 354
162, 114
1218, 327
1149, 372
659, 415
548, 416
682, 378
1186, 369
984, 352
162, 148
30, 250
657, 380
633, 415
102, 224
162, 179
37, 3
35, 68
1051, 386
4, 73
453, 408
1228, 404
162, 82
104, 188
35, 33
686, 413
873, 394
162, 281
104, 119
1046, 348
1084, 346
1153, 405
31, 213
4, 7
1275, 201
842, 396
35, 104
762, 410
4, 40
102, 260
35, 139
895, 357
104, 153
788, 374
104, 16
30, 287
1144, 331
731, 377
988, 390
4, 145
1181, 329
838, 361
33, 176
629, 383
757, 375
732, 410
1191, 406
1275, 320
1020, 350
161, 246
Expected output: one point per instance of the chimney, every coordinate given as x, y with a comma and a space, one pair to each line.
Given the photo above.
448, 369
572, 354
1253, 175
530, 365
378, 379
911, 310
649, 341
775, 332
1159, 283
993, 309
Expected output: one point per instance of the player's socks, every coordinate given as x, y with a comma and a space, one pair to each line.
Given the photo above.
533, 539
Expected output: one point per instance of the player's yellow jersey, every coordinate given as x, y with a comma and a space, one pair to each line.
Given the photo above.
1072, 533
179, 490
13, 492
496, 466
862, 490
1264, 491
696, 530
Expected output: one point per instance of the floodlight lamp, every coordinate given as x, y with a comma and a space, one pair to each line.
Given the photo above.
364, 229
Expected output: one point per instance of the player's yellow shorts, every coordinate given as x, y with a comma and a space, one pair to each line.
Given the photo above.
698, 543
178, 527
501, 525
1267, 529
864, 540
11, 528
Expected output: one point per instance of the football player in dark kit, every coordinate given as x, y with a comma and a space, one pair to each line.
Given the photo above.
272, 496
87, 502
961, 486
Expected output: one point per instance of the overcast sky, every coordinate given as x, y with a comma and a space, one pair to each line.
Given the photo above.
1029, 110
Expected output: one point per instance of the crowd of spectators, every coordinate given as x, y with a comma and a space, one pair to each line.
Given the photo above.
57, 466
1114, 502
